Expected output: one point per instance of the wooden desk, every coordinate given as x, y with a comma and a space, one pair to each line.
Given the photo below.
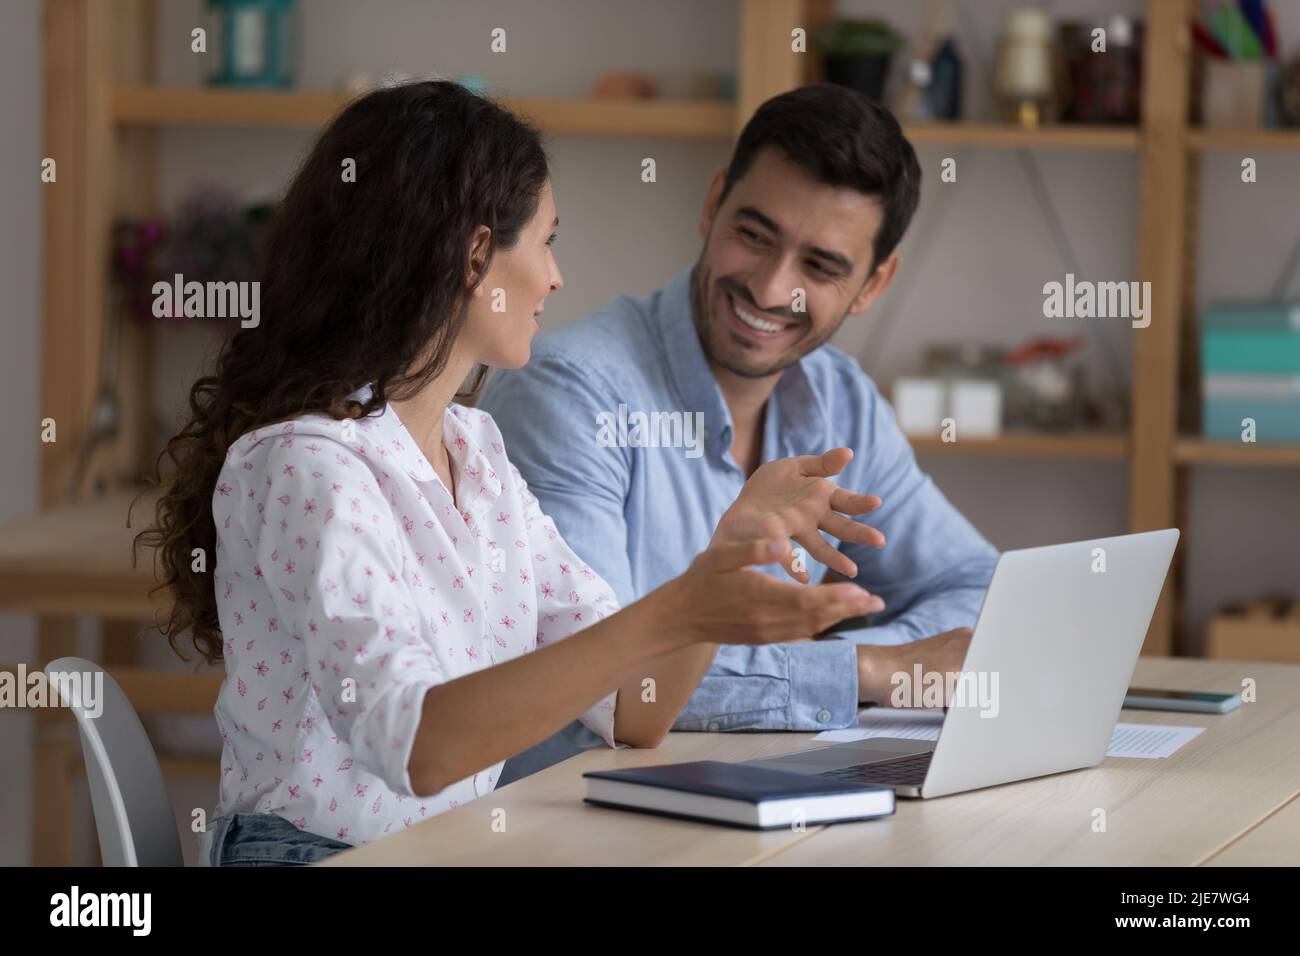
1273, 841
547, 823
76, 560
1196, 806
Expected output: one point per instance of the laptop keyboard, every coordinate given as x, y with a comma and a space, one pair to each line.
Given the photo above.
904, 771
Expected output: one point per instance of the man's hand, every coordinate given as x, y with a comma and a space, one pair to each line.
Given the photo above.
720, 600
793, 498
878, 663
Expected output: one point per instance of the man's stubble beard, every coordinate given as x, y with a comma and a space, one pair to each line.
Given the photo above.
700, 281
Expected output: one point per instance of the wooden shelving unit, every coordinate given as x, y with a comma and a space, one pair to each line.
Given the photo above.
103, 111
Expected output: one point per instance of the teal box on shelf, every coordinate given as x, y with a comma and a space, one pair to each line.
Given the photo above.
1250, 352
1274, 421
255, 43
1250, 371
1257, 316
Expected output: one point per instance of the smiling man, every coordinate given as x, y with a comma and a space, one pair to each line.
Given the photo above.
800, 232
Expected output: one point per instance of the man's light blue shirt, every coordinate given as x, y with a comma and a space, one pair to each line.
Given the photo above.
640, 515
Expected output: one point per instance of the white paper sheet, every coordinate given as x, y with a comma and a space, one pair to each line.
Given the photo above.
889, 722
1151, 741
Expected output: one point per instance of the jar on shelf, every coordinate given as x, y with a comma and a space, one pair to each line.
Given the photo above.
1048, 385
1105, 87
1025, 75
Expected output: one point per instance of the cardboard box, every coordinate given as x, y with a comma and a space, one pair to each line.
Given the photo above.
1259, 631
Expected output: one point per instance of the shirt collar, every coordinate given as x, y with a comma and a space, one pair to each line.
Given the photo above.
801, 410
687, 366
394, 441
478, 483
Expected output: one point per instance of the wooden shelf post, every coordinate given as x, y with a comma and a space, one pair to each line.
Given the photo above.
88, 47
765, 63
1162, 213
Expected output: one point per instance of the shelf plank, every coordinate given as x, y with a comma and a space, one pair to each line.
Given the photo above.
310, 109
1103, 446
675, 119
185, 106
186, 766
1201, 451
669, 119
1007, 136
155, 690
190, 766
1208, 140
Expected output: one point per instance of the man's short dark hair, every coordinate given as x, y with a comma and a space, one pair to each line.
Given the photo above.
842, 138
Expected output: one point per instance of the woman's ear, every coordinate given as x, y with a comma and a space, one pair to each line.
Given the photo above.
480, 244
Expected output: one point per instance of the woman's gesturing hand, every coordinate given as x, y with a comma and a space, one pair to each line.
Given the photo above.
793, 498
719, 599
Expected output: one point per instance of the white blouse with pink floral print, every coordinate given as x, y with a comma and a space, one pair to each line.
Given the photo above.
348, 584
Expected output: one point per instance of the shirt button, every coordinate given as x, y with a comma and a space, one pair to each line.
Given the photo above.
823, 715
713, 726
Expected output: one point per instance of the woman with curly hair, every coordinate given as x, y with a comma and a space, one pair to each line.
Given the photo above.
395, 614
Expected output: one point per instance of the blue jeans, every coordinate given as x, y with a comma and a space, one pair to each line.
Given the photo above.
264, 839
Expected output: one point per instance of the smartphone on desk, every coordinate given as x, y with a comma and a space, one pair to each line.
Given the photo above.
1197, 702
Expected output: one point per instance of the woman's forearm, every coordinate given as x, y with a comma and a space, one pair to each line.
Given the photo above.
649, 702
479, 719
474, 721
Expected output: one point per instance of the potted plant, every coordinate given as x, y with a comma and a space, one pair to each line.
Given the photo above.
857, 53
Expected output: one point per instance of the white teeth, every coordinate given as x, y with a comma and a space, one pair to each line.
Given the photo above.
753, 321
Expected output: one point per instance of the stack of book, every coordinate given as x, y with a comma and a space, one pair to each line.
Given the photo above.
1250, 365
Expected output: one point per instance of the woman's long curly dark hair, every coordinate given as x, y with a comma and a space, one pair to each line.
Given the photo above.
360, 280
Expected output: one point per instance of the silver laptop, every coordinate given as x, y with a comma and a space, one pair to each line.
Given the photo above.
1061, 628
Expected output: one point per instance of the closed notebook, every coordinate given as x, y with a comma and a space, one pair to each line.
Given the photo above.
736, 795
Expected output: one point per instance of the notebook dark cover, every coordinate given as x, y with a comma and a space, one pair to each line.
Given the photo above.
730, 781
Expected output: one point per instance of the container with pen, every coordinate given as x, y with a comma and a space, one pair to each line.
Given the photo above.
1239, 78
